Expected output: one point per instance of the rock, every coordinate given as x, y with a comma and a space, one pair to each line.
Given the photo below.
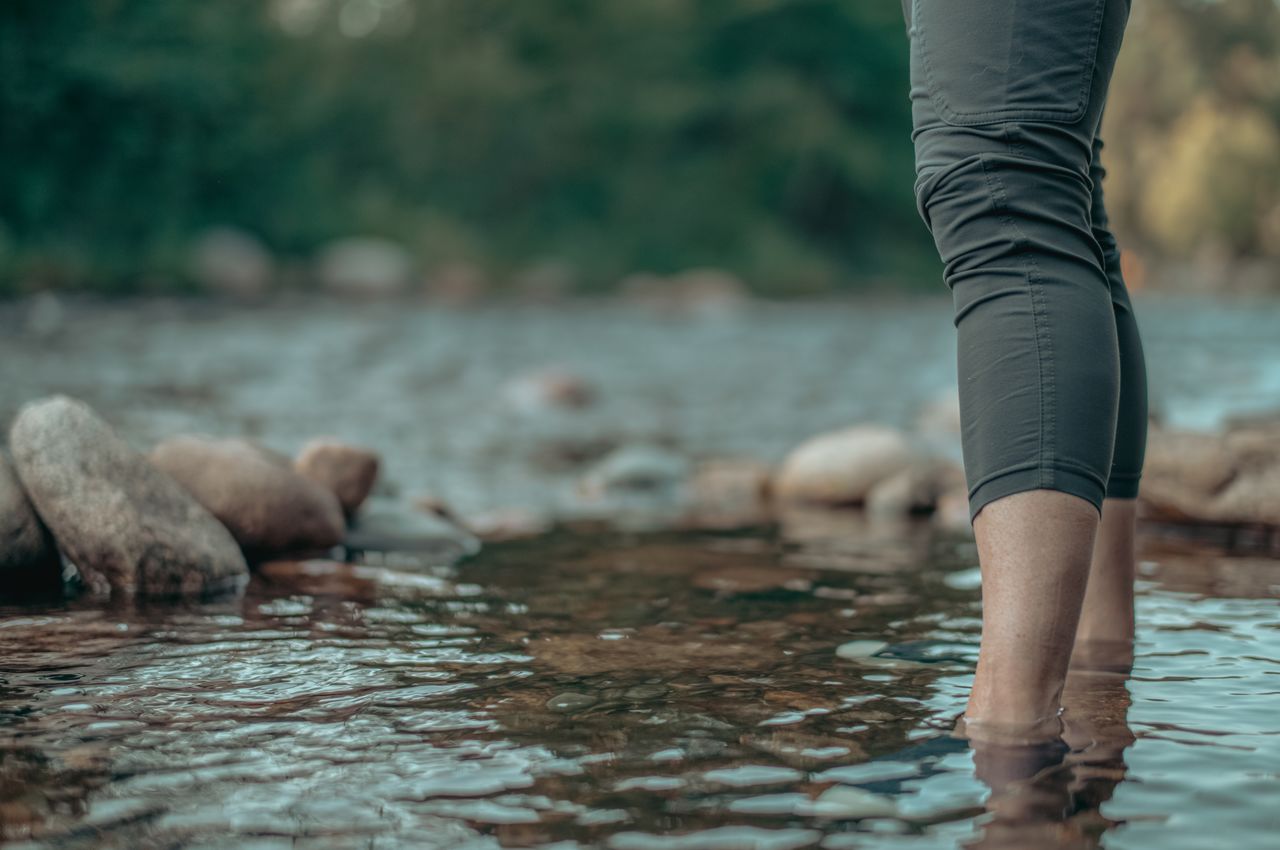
365, 266
228, 261
268, 507
1231, 478
841, 467
637, 469
458, 284
29, 558
127, 526
704, 292
348, 472
915, 489
386, 525
547, 389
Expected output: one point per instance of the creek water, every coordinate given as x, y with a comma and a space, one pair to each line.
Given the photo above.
782, 687
792, 684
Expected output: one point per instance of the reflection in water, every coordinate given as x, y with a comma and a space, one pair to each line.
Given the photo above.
787, 687
1049, 795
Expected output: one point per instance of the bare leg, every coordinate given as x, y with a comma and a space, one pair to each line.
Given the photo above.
1035, 548
1104, 639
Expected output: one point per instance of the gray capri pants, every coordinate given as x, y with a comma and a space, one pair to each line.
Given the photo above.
1007, 98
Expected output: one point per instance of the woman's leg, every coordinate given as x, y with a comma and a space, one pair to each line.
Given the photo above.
1104, 639
1006, 100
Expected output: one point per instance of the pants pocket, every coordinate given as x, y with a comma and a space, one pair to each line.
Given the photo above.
1001, 60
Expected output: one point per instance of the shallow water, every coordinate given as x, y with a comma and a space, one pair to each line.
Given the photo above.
429, 387
632, 691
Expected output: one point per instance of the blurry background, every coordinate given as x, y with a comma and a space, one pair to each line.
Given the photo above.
474, 146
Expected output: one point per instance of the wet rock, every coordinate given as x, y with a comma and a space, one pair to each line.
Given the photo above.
637, 469
365, 266
254, 492
387, 525
127, 526
349, 472
1213, 478
913, 490
841, 467
228, 261
549, 389
29, 558
570, 702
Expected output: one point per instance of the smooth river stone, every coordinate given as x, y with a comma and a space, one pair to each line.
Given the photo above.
128, 527
269, 508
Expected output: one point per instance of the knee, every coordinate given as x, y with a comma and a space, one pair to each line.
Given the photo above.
991, 191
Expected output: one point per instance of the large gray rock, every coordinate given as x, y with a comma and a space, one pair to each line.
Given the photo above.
366, 266
128, 527
232, 262
268, 507
841, 467
28, 556
349, 472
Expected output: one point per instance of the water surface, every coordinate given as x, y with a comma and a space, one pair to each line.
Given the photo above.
785, 687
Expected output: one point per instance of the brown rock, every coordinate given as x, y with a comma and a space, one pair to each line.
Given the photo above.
128, 527
267, 506
1214, 478
348, 472
841, 467
28, 556
915, 489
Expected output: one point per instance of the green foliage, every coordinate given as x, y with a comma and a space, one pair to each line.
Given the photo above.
769, 138
766, 137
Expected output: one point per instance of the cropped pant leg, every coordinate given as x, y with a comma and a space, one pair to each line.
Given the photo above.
1007, 98
1131, 421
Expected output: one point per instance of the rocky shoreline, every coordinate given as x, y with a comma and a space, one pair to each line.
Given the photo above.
195, 514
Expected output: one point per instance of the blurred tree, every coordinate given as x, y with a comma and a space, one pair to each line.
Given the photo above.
767, 137
1193, 129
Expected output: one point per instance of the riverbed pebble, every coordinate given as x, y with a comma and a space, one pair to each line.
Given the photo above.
28, 556
349, 472
128, 527
841, 467
268, 507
